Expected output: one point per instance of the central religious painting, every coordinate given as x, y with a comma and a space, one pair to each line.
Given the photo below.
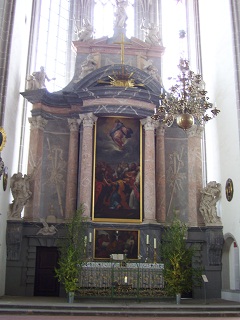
117, 174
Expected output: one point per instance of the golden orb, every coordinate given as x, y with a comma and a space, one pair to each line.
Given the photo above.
185, 121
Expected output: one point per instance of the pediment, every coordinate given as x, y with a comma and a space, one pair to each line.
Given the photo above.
97, 85
102, 78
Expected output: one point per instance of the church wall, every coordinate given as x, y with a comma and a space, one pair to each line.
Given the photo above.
15, 80
222, 134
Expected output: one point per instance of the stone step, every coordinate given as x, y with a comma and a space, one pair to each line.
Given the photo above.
117, 309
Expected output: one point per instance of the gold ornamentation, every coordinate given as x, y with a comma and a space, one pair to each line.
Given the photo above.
186, 101
3, 138
229, 189
121, 78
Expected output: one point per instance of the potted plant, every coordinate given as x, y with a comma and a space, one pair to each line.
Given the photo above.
72, 254
179, 274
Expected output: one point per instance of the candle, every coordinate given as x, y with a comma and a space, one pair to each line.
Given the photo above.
90, 237
147, 239
154, 243
125, 279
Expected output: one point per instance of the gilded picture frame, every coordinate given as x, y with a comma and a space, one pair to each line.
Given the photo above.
3, 138
117, 176
120, 244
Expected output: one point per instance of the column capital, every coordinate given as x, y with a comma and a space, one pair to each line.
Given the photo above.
88, 119
37, 122
149, 123
73, 124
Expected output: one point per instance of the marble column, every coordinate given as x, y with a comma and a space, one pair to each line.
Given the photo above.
160, 174
32, 208
71, 187
86, 177
149, 171
194, 174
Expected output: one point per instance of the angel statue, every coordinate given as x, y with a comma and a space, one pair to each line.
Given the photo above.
152, 34
210, 196
86, 32
121, 14
20, 187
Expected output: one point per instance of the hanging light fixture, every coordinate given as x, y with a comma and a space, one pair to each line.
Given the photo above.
186, 102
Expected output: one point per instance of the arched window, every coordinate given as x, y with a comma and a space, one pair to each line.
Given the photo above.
53, 32
174, 37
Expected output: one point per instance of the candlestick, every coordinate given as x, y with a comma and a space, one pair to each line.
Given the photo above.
147, 239
155, 256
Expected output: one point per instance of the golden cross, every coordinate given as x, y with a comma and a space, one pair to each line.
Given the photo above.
122, 48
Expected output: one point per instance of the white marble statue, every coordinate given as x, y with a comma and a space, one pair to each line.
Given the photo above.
121, 14
149, 67
152, 34
20, 187
86, 32
37, 80
88, 66
210, 196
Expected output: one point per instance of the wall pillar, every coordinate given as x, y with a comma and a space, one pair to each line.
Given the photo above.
195, 182
160, 174
86, 177
149, 171
71, 187
32, 208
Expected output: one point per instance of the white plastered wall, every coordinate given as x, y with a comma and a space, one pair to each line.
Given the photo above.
13, 116
222, 133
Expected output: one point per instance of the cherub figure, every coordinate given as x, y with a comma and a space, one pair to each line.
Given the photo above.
47, 230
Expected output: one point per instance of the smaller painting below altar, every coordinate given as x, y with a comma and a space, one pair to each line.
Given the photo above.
109, 242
